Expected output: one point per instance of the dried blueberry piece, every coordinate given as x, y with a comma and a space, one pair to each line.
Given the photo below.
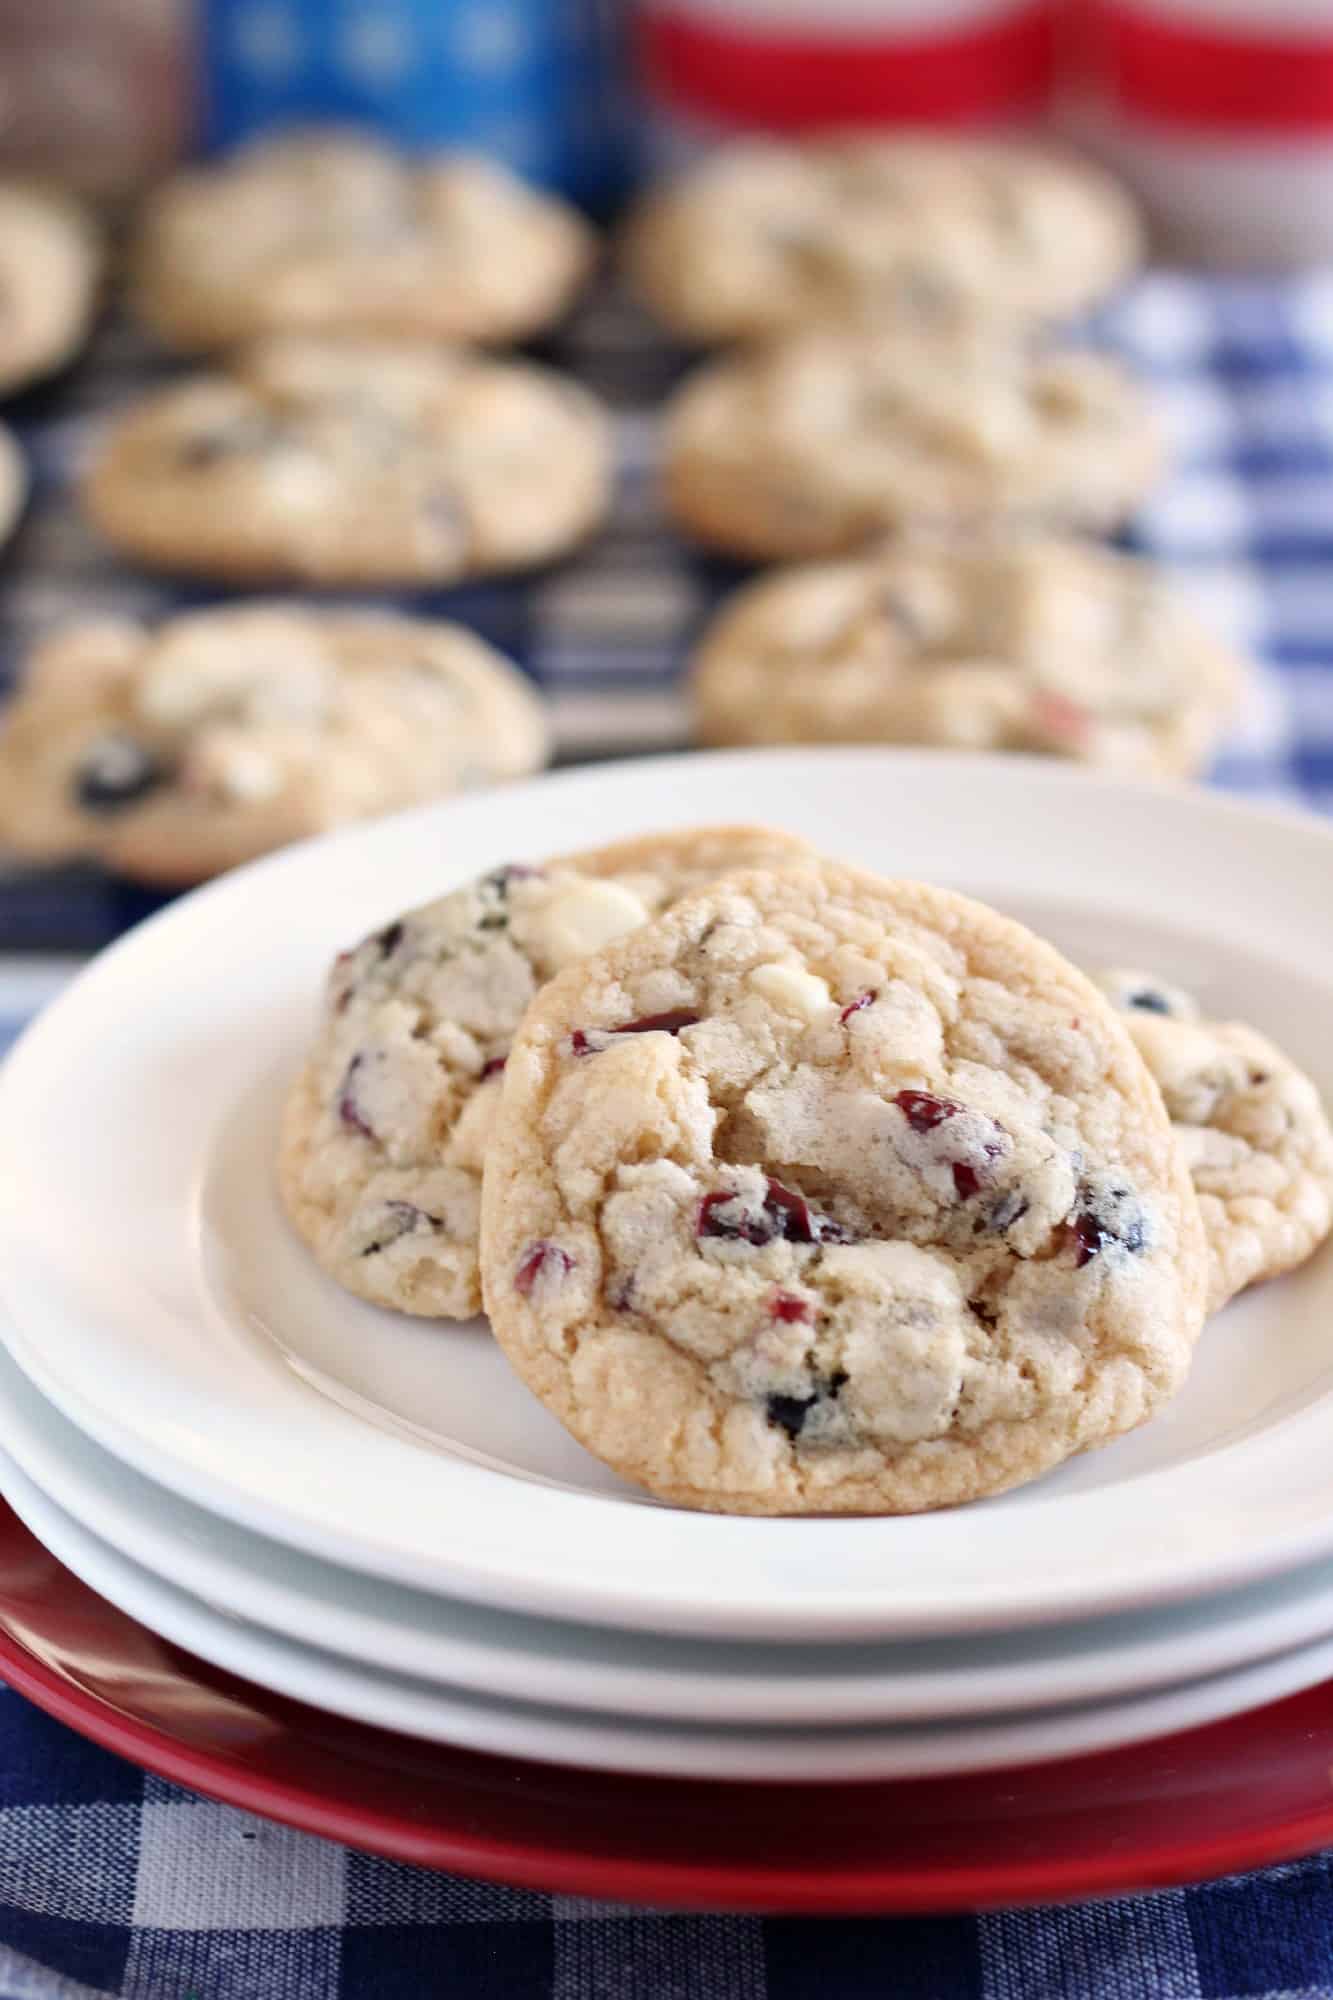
1002, 1214
789, 1413
115, 772
1147, 1000
348, 1109
389, 939
401, 1218
538, 1259
1109, 1217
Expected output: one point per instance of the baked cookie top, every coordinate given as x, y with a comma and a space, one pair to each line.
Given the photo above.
817, 445
1250, 1126
387, 1126
354, 462
50, 271
915, 233
1025, 645
320, 232
822, 1193
175, 752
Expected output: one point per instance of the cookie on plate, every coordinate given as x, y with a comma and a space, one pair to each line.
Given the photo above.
171, 754
13, 483
1025, 645
820, 444
387, 1126
822, 1193
918, 233
354, 462
1250, 1126
331, 233
50, 272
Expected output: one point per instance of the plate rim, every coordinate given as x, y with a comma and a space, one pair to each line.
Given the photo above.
519, 1860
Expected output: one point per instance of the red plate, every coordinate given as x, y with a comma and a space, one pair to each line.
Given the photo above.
1242, 1793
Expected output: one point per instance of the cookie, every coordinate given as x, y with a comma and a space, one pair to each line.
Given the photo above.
13, 483
355, 463
388, 1124
330, 233
1042, 645
50, 272
820, 444
826, 1194
915, 233
171, 754
1250, 1127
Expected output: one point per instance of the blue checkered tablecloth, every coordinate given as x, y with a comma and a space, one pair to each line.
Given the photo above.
113, 1883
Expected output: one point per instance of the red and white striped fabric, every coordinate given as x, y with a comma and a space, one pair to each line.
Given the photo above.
714, 67
1220, 112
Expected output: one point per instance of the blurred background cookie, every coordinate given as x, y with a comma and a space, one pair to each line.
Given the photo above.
1041, 645
816, 445
172, 754
763, 238
354, 462
50, 272
13, 484
329, 232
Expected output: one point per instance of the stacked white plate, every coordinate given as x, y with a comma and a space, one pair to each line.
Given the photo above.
372, 1514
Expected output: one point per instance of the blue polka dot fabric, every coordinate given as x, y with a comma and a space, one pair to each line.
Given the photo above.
117, 1884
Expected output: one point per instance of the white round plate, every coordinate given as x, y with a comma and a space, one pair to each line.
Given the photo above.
612, 1743
165, 1307
446, 1640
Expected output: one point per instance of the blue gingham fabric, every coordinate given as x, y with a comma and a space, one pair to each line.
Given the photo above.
117, 1884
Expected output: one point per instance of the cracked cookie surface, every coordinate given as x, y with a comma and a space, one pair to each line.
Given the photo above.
387, 1126
354, 461
1049, 646
1251, 1128
819, 444
822, 1193
765, 238
320, 232
173, 753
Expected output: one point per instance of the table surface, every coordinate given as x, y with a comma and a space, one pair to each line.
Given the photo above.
115, 1883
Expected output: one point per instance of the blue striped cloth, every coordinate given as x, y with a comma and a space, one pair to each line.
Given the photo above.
112, 1883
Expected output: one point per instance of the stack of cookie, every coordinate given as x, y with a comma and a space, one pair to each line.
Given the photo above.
892, 376
350, 432
788, 1188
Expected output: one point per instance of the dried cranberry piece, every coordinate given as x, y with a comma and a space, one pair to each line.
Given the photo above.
923, 1110
866, 1000
784, 1214
785, 1306
966, 1180
1111, 1217
666, 1024
539, 1257
580, 1045
493, 1067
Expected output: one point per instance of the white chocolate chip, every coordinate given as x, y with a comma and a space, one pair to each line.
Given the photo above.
792, 989
246, 774
582, 918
